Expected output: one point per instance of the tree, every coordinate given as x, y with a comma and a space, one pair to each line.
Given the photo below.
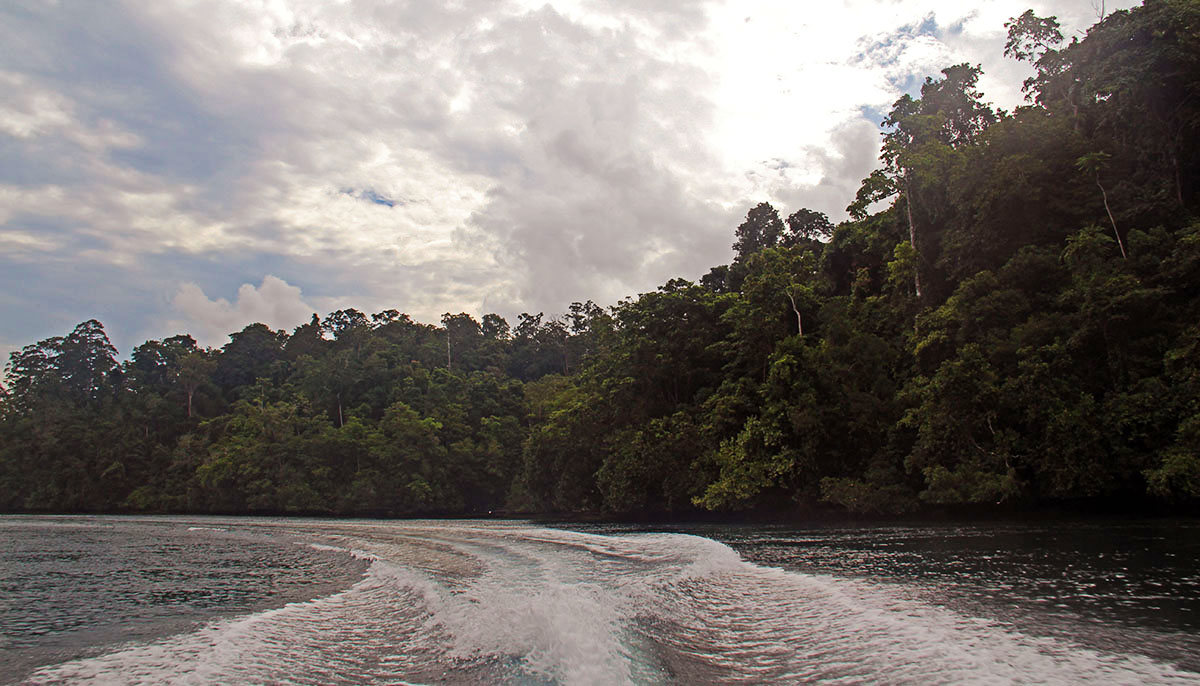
1132, 87
761, 229
1091, 164
85, 362
30, 374
195, 371
250, 353
494, 327
1031, 36
78, 368
463, 337
307, 339
918, 151
341, 323
805, 226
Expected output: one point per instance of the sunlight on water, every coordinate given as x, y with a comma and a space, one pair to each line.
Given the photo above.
483, 603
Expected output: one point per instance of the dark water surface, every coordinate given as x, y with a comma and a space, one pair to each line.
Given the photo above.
215, 601
70, 584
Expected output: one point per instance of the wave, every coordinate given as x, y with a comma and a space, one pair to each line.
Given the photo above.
495, 603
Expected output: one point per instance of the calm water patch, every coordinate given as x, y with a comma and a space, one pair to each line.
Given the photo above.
70, 585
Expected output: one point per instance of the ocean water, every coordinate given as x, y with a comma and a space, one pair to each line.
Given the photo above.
116, 600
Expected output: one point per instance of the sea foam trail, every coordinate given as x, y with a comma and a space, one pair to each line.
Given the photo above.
478, 603
337, 639
747, 624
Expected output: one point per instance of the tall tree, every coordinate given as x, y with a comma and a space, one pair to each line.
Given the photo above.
761, 229
1131, 86
86, 361
250, 353
917, 153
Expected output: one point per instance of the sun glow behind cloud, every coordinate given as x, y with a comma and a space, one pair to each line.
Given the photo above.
158, 159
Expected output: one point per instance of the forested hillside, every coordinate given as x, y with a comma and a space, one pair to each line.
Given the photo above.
1011, 316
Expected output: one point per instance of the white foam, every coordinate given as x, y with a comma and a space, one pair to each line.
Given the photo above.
775, 625
477, 603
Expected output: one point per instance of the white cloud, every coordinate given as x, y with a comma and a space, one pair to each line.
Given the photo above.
793, 78
28, 112
275, 303
31, 110
433, 157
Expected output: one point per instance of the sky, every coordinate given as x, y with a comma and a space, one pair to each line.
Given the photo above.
194, 167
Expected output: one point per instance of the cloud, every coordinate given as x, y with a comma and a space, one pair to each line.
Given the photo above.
275, 303
459, 156
851, 152
605, 151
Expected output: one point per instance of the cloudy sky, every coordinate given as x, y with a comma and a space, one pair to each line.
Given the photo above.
182, 166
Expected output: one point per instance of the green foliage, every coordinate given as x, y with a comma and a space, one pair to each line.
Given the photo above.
762, 229
1029, 36
650, 468
973, 335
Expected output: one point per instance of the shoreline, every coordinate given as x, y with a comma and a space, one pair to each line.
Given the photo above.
1056, 512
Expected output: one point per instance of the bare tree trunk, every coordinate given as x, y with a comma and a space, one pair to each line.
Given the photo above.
190, 393
912, 239
799, 321
341, 423
1120, 243
1178, 180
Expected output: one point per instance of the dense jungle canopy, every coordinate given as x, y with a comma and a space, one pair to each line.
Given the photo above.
1011, 317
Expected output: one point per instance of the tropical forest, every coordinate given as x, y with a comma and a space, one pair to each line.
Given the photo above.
1009, 319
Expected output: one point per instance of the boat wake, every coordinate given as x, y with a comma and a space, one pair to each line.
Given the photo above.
485, 603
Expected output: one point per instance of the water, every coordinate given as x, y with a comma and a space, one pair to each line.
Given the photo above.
211, 601
68, 584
